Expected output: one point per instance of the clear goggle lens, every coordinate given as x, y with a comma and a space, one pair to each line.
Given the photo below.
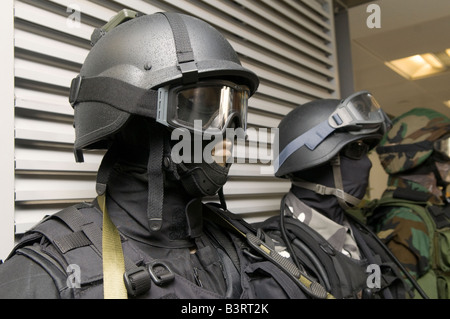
360, 111
212, 106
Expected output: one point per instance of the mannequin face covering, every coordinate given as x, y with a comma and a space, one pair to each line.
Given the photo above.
129, 182
355, 177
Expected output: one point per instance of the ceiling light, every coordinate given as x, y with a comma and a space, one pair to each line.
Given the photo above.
417, 66
432, 60
448, 52
447, 103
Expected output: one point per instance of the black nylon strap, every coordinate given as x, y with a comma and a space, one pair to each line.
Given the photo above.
76, 221
74, 240
181, 37
185, 55
108, 161
72, 217
410, 194
155, 179
116, 93
225, 243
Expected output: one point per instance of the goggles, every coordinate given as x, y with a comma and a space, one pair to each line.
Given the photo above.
358, 114
442, 146
206, 107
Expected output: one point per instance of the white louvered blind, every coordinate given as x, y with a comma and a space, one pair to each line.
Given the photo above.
288, 43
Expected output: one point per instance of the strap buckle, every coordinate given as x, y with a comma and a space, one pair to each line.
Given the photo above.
75, 86
137, 281
189, 72
321, 189
160, 272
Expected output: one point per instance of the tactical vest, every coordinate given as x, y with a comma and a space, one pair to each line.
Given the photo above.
436, 282
343, 276
71, 240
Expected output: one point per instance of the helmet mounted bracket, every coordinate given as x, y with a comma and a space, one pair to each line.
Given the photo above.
122, 16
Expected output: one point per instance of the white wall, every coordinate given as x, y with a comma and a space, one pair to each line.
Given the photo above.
289, 44
6, 128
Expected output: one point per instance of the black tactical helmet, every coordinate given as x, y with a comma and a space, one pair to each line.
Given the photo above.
170, 68
309, 124
128, 64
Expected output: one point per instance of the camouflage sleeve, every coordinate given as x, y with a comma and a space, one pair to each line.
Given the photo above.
406, 235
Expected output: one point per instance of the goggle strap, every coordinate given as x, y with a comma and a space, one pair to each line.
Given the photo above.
311, 138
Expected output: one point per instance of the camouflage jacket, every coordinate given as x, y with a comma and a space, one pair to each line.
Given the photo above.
339, 236
403, 230
411, 217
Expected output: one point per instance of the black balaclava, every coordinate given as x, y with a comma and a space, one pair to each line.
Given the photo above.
355, 179
202, 179
128, 187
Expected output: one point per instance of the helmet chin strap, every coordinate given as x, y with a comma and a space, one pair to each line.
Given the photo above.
338, 191
155, 178
154, 171
108, 161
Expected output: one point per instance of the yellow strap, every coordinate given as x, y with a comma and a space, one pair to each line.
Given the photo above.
113, 260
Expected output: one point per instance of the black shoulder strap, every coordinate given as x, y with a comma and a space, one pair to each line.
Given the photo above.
410, 194
77, 239
52, 267
215, 213
263, 244
137, 278
223, 241
84, 233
